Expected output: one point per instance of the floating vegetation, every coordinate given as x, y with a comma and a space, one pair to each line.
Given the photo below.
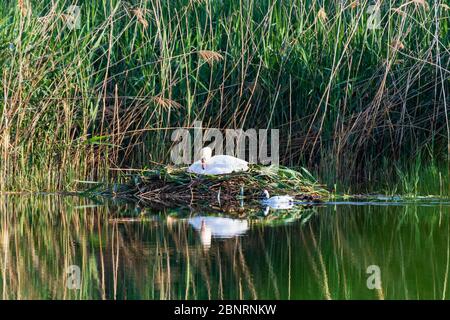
174, 186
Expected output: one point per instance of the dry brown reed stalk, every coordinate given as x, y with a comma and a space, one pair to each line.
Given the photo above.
397, 45
210, 56
322, 15
354, 4
24, 7
139, 13
421, 3
45, 20
418, 3
166, 103
399, 11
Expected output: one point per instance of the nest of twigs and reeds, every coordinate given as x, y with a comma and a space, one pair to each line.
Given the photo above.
172, 186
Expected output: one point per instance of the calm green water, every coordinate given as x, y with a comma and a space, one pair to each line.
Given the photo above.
318, 253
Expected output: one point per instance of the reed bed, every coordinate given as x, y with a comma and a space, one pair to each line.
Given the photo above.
349, 101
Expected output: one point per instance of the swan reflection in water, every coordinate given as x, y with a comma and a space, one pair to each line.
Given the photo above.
276, 202
217, 227
277, 206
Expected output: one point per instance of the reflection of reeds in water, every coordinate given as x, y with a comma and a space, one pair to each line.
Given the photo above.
40, 241
162, 257
205, 270
4, 238
26, 242
405, 242
321, 274
41, 237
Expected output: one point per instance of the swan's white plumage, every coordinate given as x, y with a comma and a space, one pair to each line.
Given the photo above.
219, 164
277, 202
277, 206
220, 227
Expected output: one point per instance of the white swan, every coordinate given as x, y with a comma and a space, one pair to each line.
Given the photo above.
219, 164
217, 227
276, 202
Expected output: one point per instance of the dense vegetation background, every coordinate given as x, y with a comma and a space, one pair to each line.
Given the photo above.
358, 106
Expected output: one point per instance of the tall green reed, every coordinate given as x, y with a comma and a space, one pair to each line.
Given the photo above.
78, 102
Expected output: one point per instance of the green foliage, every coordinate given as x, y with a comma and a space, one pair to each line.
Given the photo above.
76, 102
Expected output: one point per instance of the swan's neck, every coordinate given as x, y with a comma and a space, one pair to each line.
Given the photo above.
206, 154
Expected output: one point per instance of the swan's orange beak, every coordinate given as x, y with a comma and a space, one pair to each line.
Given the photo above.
203, 163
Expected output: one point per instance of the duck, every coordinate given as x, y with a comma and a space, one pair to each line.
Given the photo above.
219, 164
276, 202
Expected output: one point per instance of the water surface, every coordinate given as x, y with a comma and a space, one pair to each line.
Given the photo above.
320, 252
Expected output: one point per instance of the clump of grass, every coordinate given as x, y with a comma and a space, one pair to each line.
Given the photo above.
176, 185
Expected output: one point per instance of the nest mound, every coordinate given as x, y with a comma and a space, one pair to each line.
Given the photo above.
176, 186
